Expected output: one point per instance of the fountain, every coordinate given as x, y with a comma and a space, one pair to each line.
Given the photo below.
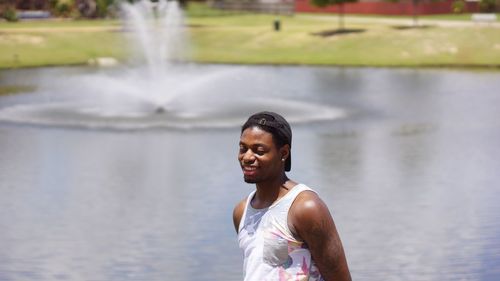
157, 88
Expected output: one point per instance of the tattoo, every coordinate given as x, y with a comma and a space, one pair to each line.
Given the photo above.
327, 251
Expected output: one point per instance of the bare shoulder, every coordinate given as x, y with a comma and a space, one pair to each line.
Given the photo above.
310, 219
238, 213
308, 208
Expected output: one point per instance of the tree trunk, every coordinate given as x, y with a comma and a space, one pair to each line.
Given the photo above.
341, 16
415, 12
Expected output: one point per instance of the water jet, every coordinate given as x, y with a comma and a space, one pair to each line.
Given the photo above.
158, 87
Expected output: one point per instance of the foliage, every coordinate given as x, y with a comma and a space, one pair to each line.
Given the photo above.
458, 6
86, 8
325, 3
96, 8
487, 6
63, 8
9, 14
103, 6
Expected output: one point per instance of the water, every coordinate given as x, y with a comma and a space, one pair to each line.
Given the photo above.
409, 171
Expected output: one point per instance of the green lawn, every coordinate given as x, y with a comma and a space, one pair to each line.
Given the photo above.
58, 23
57, 48
246, 38
250, 39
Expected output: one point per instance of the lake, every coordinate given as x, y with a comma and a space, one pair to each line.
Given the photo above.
407, 162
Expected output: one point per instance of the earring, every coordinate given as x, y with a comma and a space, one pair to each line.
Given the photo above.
283, 159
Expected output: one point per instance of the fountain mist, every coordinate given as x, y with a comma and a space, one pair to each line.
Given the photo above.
157, 30
163, 90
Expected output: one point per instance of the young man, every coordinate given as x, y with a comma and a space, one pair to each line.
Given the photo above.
284, 229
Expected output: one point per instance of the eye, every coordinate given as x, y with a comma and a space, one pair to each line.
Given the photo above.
260, 151
242, 149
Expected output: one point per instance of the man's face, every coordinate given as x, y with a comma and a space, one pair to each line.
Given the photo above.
259, 157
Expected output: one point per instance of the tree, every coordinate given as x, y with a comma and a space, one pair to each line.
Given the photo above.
8, 10
487, 6
87, 8
340, 3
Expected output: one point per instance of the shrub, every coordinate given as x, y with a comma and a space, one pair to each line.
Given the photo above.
63, 8
86, 8
9, 14
458, 6
102, 7
487, 6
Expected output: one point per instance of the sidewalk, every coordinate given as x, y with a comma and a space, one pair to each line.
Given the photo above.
401, 21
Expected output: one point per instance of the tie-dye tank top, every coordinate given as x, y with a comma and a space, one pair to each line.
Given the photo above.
271, 252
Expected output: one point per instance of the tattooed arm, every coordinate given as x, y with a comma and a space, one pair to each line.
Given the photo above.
310, 220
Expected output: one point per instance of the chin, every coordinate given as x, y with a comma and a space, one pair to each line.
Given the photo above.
250, 180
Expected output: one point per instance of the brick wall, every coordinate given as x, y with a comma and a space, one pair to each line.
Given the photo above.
386, 8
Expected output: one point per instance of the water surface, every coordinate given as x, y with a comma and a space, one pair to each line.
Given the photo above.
409, 173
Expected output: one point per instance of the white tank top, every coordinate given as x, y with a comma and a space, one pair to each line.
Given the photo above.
271, 252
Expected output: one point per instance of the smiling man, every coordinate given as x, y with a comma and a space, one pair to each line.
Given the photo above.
284, 229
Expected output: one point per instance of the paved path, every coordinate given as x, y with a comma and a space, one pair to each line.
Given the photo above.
402, 21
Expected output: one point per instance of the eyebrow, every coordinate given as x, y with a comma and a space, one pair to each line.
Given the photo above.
255, 145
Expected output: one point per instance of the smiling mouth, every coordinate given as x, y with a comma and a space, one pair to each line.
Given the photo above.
247, 170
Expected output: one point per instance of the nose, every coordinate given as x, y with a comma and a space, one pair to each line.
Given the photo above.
248, 157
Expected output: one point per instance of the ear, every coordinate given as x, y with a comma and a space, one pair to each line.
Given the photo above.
285, 151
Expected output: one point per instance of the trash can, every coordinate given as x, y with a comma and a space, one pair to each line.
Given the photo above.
277, 25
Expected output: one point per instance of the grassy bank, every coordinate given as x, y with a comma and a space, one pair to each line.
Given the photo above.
250, 39
245, 38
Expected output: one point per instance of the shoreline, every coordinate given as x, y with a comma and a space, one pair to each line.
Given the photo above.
466, 67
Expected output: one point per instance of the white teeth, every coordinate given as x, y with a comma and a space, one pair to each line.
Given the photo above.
249, 168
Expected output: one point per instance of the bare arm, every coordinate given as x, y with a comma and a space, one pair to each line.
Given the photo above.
238, 213
310, 220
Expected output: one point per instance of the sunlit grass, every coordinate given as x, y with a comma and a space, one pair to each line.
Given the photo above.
250, 38
57, 48
58, 23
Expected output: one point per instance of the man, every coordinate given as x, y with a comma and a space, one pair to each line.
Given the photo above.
284, 229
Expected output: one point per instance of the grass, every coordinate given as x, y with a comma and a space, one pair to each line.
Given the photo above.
250, 39
58, 23
8, 90
57, 48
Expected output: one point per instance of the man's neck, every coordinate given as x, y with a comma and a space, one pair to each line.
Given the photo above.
270, 191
